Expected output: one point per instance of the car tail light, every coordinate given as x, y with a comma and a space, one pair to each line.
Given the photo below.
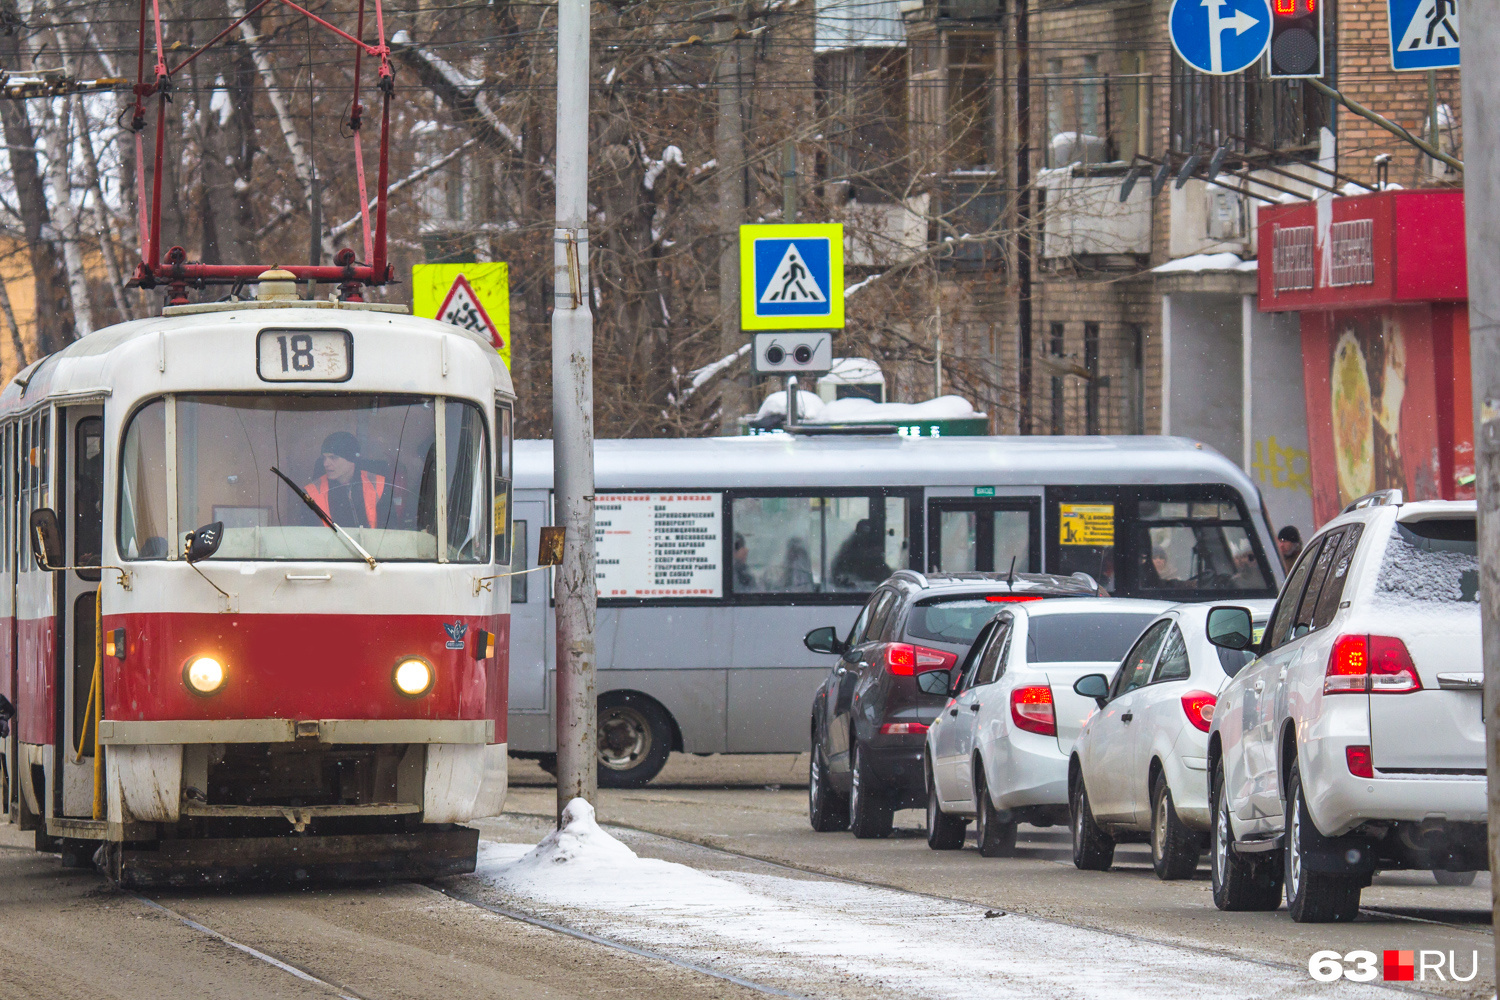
1031, 710
1012, 598
1391, 669
1199, 706
1375, 663
1360, 763
903, 728
903, 659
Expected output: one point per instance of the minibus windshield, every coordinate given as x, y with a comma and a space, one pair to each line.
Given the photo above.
377, 465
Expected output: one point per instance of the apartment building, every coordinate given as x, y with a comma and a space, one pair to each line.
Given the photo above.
1141, 180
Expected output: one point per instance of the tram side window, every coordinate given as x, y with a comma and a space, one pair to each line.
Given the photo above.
503, 434
88, 496
143, 485
817, 544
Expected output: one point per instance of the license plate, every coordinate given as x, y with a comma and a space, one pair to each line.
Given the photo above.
305, 355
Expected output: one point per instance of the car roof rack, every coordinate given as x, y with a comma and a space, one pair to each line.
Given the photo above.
1380, 498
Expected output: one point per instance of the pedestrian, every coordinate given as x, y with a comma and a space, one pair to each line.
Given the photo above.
1289, 544
7, 712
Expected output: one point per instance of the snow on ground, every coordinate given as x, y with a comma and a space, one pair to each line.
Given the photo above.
830, 938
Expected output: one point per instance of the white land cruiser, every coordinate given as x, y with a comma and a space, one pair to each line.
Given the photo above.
1355, 742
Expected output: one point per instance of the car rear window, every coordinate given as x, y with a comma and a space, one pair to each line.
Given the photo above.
1080, 637
1435, 561
957, 620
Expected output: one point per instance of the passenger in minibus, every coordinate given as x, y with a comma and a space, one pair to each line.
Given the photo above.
860, 562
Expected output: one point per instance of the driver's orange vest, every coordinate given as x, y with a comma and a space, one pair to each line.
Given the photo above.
373, 486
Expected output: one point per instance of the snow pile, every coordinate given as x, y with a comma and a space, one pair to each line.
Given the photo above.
809, 405
579, 843
1200, 263
822, 937
858, 410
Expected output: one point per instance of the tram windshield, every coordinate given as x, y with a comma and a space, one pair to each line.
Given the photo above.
376, 464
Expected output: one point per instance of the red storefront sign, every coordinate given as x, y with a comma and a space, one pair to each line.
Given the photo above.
1381, 284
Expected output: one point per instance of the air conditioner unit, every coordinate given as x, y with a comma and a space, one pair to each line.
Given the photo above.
1226, 215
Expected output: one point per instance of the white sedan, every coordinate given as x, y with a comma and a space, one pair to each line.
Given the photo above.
1139, 765
998, 751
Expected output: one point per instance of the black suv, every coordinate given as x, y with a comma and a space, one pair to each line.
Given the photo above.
870, 715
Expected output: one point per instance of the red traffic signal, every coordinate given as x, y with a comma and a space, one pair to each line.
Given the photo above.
1296, 39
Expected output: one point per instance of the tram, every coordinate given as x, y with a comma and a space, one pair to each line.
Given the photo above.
249, 561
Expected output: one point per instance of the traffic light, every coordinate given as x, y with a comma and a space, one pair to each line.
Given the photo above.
1296, 38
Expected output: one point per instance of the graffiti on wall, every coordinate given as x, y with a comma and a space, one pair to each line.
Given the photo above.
1278, 467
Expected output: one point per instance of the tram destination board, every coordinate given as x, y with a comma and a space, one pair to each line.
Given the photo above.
284, 355
659, 545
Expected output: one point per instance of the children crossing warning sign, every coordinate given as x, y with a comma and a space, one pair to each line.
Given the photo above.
792, 277
473, 296
1424, 34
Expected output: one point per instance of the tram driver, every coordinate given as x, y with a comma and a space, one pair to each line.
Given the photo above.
354, 497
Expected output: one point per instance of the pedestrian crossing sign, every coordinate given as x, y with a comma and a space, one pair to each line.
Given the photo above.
473, 296
792, 277
1424, 34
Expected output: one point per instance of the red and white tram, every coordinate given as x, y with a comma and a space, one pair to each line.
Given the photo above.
294, 691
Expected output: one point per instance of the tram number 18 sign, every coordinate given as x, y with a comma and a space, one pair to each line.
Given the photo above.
305, 355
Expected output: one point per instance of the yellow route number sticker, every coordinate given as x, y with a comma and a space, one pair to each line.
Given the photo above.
1087, 523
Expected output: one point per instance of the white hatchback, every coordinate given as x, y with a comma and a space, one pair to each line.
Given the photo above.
1356, 741
998, 751
1139, 764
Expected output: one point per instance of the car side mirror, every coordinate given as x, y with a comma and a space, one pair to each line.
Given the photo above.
1095, 686
934, 682
823, 640
46, 540
1231, 628
204, 542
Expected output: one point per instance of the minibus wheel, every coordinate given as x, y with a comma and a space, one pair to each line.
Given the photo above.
635, 738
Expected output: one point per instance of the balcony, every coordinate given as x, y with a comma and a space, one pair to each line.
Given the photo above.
1082, 216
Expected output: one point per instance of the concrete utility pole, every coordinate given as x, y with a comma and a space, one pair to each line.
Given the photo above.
1481, 103
729, 149
573, 416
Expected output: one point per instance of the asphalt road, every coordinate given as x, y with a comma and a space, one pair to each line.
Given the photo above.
65, 934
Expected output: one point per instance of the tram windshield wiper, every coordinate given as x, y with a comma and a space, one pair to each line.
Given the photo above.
312, 505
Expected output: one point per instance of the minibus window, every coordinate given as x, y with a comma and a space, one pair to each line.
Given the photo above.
1196, 546
817, 544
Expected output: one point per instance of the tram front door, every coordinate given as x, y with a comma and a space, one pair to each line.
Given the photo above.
80, 514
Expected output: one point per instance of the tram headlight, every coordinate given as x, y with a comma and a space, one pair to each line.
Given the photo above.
204, 674
413, 677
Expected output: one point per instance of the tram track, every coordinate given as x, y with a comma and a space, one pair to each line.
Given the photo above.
343, 993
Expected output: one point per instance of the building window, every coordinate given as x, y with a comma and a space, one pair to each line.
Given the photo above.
1091, 388
862, 104
971, 112
1056, 348
1089, 88
1137, 378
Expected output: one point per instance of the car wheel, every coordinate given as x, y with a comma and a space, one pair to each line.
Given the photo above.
1239, 883
635, 738
1093, 849
997, 837
1313, 897
826, 809
1453, 878
870, 811
944, 832
1174, 848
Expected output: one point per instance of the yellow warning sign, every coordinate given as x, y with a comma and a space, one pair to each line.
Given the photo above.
1087, 523
473, 296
